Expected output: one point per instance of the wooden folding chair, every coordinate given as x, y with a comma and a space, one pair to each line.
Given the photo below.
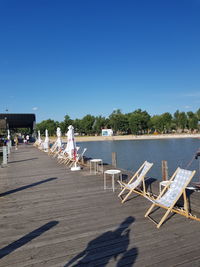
79, 158
52, 149
170, 194
66, 158
134, 183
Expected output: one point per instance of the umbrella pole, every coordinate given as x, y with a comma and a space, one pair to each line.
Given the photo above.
76, 167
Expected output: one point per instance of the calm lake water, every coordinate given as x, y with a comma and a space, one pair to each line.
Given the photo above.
132, 153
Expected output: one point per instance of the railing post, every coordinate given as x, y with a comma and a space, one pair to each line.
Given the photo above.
10, 143
164, 170
5, 159
114, 159
8, 147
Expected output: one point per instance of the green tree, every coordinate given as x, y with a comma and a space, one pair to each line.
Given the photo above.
99, 123
49, 124
156, 123
162, 123
193, 123
77, 126
119, 121
23, 131
192, 120
87, 123
198, 114
176, 119
198, 117
180, 120
65, 124
139, 121
166, 119
183, 120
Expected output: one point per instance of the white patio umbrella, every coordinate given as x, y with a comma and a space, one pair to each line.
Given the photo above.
39, 138
8, 136
46, 141
58, 141
71, 147
9, 141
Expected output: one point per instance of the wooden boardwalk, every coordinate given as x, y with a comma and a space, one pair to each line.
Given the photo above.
50, 216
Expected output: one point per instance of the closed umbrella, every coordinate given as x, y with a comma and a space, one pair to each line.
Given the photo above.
71, 147
9, 141
8, 136
58, 141
39, 138
46, 141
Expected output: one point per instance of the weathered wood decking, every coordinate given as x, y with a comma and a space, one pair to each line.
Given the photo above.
50, 216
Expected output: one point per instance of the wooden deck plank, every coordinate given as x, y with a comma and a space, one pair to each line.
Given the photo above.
36, 191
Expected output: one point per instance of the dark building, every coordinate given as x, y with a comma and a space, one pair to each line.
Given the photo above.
14, 121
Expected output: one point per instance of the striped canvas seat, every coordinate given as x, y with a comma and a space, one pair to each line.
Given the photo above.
135, 181
175, 188
171, 194
138, 181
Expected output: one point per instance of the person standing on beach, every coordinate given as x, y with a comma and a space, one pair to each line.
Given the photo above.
16, 142
27, 139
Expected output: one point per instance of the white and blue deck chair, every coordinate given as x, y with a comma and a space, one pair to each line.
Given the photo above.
134, 183
171, 193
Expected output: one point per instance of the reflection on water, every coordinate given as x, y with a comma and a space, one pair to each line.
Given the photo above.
132, 153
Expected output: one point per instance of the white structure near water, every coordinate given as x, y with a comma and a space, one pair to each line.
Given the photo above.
107, 132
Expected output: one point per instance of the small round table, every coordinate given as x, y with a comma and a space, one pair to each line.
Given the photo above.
113, 173
168, 183
164, 183
97, 164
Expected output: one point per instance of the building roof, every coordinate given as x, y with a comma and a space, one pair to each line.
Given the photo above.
14, 120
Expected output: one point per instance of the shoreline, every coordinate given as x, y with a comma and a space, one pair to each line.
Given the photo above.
128, 137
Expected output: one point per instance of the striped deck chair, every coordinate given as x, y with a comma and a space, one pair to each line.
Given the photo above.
52, 149
58, 151
65, 158
79, 158
170, 194
134, 183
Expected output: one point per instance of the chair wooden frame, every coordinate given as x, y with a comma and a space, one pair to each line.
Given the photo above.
79, 159
65, 158
52, 149
182, 211
135, 181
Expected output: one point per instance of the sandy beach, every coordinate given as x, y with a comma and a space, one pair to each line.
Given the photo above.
129, 137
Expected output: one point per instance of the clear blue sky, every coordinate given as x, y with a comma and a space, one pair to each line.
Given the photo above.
83, 57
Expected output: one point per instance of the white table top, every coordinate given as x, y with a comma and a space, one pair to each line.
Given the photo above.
112, 171
96, 160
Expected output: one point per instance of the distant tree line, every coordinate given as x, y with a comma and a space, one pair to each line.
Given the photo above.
137, 122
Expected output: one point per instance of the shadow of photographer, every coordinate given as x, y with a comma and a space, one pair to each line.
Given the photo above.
110, 245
